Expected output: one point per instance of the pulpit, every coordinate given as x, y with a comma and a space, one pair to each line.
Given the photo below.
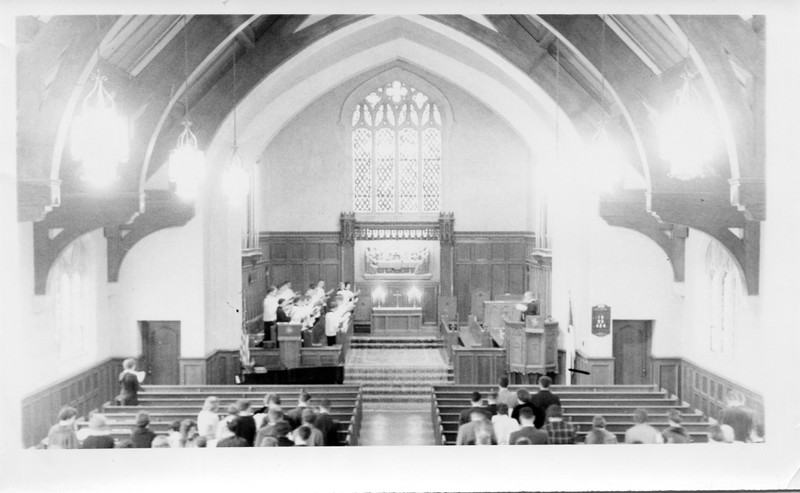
396, 321
532, 345
290, 339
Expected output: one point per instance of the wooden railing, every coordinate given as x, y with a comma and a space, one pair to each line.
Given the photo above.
449, 337
436, 420
355, 422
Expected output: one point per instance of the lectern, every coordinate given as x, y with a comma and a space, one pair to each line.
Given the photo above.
290, 338
532, 345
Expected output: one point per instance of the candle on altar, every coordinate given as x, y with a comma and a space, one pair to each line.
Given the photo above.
414, 295
379, 295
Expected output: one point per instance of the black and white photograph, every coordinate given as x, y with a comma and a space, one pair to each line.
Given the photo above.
395, 232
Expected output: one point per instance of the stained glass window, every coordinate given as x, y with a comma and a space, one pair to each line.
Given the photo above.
397, 151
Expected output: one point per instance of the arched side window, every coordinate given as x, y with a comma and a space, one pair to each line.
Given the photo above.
71, 298
725, 288
397, 151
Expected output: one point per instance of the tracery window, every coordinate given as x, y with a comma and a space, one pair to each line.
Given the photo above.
397, 151
724, 291
71, 298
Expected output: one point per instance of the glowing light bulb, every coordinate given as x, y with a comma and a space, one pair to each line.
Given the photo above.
186, 165
236, 180
687, 134
99, 137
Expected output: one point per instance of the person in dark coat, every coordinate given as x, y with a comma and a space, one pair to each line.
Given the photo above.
245, 422
476, 404
99, 433
675, 432
129, 383
523, 400
542, 400
327, 425
141, 435
235, 440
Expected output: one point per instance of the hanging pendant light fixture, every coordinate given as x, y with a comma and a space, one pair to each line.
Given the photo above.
186, 161
99, 136
235, 178
604, 154
687, 134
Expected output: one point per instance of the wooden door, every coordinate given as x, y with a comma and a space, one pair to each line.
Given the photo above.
161, 346
631, 352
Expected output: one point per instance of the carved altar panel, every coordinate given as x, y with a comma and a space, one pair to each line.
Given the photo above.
389, 260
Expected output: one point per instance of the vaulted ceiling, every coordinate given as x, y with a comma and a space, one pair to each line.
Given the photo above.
617, 68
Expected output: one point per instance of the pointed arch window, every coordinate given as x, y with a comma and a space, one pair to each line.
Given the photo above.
397, 151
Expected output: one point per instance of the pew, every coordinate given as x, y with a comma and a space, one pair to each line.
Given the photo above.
167, 403
580, 404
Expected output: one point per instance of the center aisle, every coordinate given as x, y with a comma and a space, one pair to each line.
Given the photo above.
396, 375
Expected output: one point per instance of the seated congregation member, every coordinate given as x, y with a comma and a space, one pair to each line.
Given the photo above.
161, 441
270, 316
294, 416
189, 434
504, 425
476, 405
223, 431
307, 421
141, 435
271, 401
327, 425
717, 435
283, 311
245, 422
523, 401
559, 432
675, 432
484, 434
208, 419
467, 433
302, 437
235, 439
129, 384
174, 434
737, 416
126, 444
543, 400
491, 403
504, 395
528, 431
99, 433
599, 435
281, 438
62, 434
642, 432
267, 428
84, 432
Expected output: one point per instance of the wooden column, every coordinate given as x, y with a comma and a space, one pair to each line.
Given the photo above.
347, 243
447, 244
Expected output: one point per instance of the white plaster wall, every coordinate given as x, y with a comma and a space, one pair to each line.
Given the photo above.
307, 173
600, 264
739, 362
162, 279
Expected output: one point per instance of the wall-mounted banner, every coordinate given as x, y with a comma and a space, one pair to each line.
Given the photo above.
601, 320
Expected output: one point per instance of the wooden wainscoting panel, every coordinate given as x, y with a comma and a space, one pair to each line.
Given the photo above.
193, 371
86, 390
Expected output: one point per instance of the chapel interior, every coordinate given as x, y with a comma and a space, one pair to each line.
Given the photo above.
171, 168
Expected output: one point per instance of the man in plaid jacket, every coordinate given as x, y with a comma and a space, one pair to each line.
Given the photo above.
558, 430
